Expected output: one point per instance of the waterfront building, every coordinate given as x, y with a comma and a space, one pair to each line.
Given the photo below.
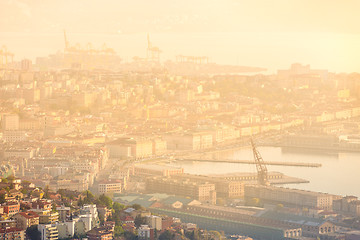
224, 188
157, 170
287, 196
349, 205
204, 192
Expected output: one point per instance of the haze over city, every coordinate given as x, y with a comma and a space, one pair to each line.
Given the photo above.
269, 34
179, 120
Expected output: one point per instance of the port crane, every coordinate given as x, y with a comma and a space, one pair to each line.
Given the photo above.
88, 55
260, 166
5, 57
152, 53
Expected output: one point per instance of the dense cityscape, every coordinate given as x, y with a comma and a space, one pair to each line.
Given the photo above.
93, 146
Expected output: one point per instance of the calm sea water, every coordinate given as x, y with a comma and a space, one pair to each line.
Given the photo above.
339, 174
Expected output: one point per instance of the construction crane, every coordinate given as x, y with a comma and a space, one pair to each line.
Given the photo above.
5, 56
88, 56
152, 53
260, 166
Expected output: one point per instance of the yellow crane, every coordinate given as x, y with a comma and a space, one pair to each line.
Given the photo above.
260, 166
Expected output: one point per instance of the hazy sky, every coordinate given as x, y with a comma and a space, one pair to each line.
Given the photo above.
271, 34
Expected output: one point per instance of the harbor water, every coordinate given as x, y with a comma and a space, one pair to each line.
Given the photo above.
339, 173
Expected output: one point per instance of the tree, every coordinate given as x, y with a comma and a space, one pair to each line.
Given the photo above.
90, 198
24, 191
2, 198
118, 231
166, 235
33, 233
105, 200
46, 192
130, 235
136, 206
118, 206
11, 178
216, 234
80, 202
53, 208
139, 221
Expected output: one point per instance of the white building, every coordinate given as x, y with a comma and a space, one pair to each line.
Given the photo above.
154, 222
48, 231
144, 232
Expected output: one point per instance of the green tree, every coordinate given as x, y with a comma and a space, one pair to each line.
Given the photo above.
216, 234
11, 178
46, 192
53, 209
136, 206
80, 202
118, 206
166, 235
24, 191
130, 235
90, 198
139, 221
105, 200
2, 198
118, 231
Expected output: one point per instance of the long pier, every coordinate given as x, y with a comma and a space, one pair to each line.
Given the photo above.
293, 164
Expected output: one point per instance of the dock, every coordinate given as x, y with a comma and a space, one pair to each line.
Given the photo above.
277, 163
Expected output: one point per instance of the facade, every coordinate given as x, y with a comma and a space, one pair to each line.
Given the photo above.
100, 234
12, 233
14, 136
190, 141
157, 170
11, 208
159, 146
19, 152
211, 219
130, 147
311, 227
224, 188
48, 231
154, 222
292, 197
26, 219
109, 187
10, 122
63, 212
347, 205
145, 232
204, 192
